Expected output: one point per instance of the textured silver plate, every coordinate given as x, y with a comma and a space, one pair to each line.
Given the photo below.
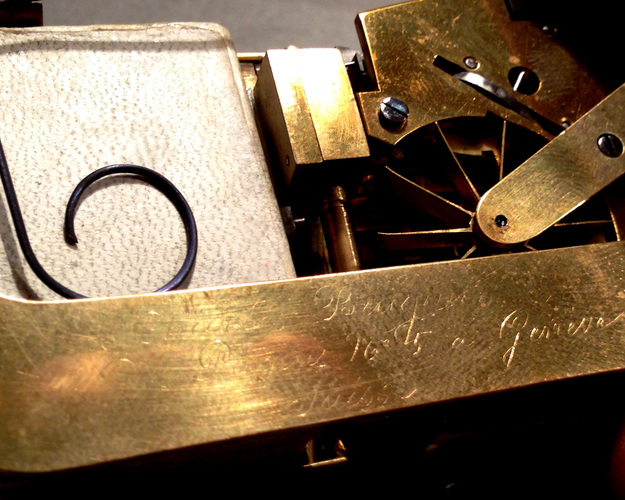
168, 97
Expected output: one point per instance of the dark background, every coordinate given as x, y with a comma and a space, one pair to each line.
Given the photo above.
592, 30
255, 25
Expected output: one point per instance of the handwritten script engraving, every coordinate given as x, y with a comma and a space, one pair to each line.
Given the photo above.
400, 327
344, 303
360, 396
295, 362
518, 327
214, 354
394, 325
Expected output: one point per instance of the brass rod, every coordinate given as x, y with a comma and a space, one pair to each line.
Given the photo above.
339, 233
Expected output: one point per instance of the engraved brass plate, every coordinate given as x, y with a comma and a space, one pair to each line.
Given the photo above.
97, 380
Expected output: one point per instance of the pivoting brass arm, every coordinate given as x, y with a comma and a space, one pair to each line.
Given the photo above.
568, 171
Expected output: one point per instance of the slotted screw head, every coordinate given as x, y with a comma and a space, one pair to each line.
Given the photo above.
610, 145
393, 112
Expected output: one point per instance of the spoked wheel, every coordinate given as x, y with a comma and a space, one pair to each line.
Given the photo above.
437, 176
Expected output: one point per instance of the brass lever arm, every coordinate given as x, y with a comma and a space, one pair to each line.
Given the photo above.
564, 174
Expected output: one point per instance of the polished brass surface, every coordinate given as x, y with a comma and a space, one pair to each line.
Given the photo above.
308, 107
284, 112
96, 380
339, 232
401, 42
556, 180
332, 104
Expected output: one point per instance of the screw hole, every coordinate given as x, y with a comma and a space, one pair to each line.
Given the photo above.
523, 80
549, 30
501, 220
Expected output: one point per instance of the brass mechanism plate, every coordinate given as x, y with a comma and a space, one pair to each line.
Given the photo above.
99, 380
96, 380
401, 42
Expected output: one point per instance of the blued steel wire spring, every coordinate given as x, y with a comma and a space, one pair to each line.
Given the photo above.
150, 176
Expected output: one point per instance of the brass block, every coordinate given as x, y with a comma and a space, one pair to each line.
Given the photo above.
307, 105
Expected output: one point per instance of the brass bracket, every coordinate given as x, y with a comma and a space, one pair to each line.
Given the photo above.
401, 43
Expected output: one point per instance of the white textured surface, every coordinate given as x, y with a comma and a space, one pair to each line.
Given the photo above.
167, 97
